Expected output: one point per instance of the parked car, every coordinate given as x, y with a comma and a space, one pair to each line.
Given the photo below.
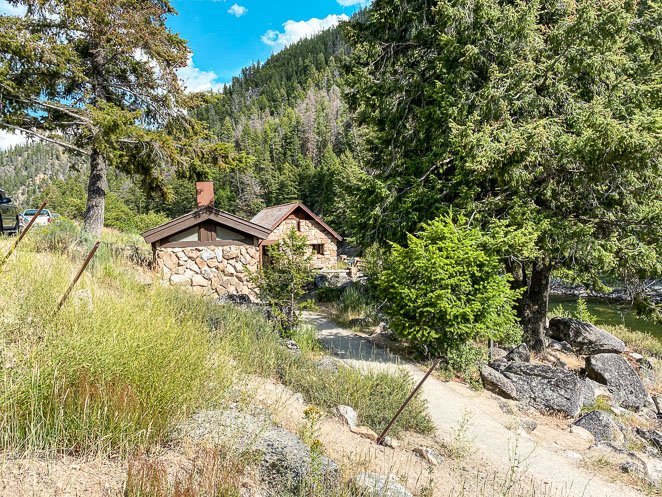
45, 217
8, 214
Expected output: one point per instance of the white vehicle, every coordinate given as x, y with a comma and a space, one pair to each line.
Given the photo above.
45, 217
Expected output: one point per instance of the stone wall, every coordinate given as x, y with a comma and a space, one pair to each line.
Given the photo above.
315, 234
210, 270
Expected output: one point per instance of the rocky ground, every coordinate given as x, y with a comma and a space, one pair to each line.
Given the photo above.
534, 420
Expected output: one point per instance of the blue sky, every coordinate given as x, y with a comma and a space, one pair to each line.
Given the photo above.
226, 35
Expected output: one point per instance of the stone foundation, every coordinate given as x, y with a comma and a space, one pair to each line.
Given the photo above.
210, 270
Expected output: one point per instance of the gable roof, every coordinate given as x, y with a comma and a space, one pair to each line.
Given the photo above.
205, 214
271, 217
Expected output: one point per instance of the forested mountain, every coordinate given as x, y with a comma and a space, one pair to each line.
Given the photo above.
286, 119
289, 116
27, 169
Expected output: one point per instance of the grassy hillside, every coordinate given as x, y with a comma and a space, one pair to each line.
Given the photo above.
126, 359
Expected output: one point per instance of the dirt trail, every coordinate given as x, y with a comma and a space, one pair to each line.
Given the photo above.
551, 454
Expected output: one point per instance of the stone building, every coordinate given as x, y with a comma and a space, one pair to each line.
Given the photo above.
323, 240
214, 252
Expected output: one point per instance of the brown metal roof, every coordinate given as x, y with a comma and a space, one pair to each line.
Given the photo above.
203, 214
271, 217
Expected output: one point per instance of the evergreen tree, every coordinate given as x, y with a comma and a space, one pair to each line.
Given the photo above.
542, 113
99, 79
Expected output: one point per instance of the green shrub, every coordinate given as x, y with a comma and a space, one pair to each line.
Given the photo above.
282, 280
328, 294
144, 222
58, 236
447, 288
582, 313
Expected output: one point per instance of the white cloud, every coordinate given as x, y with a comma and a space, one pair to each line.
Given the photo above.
349, 3
195, 79
9, 139
294, 31
6, 9
237, 10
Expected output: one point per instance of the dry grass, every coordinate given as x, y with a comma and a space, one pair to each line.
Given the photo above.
638, 341
211, 472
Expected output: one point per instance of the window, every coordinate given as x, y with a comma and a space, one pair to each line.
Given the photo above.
189, 235
298, 224
226, 234
318, 248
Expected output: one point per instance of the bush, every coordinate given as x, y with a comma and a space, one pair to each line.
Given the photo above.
58, 236
448, 288
282, 280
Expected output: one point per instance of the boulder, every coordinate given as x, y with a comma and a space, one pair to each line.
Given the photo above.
348, 415
520, 353
559, 346
497, 383
498, 353
652, 437
329, 364
390, 442
602, 426
284, 459
499, 364
546, 388
528, 425
620, 378
372, 485
584, 338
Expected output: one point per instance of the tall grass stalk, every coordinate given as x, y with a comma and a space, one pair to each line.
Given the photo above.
113, 370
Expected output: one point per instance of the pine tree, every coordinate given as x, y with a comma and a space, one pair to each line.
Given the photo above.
99, 79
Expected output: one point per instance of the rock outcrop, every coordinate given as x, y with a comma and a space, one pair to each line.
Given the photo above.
546, 388
584, 338
497, 383
520, 353
620, 378
285, 461
602, 426
652, 437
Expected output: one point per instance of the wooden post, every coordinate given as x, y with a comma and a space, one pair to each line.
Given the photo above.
77, 277
22, 234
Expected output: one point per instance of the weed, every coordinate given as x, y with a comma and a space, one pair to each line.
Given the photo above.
310, 431
102, 378
601, 403
460, 445
376, 396
356, 307
638, 341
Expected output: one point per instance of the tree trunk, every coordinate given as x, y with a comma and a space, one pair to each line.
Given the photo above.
535, 304
96, 195
519, 282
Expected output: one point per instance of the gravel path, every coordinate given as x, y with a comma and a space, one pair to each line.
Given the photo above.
549, 455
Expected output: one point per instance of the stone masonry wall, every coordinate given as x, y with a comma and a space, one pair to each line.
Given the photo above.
315, 234
209, 270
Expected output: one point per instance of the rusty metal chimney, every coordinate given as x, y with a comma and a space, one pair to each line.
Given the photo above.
205, 193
